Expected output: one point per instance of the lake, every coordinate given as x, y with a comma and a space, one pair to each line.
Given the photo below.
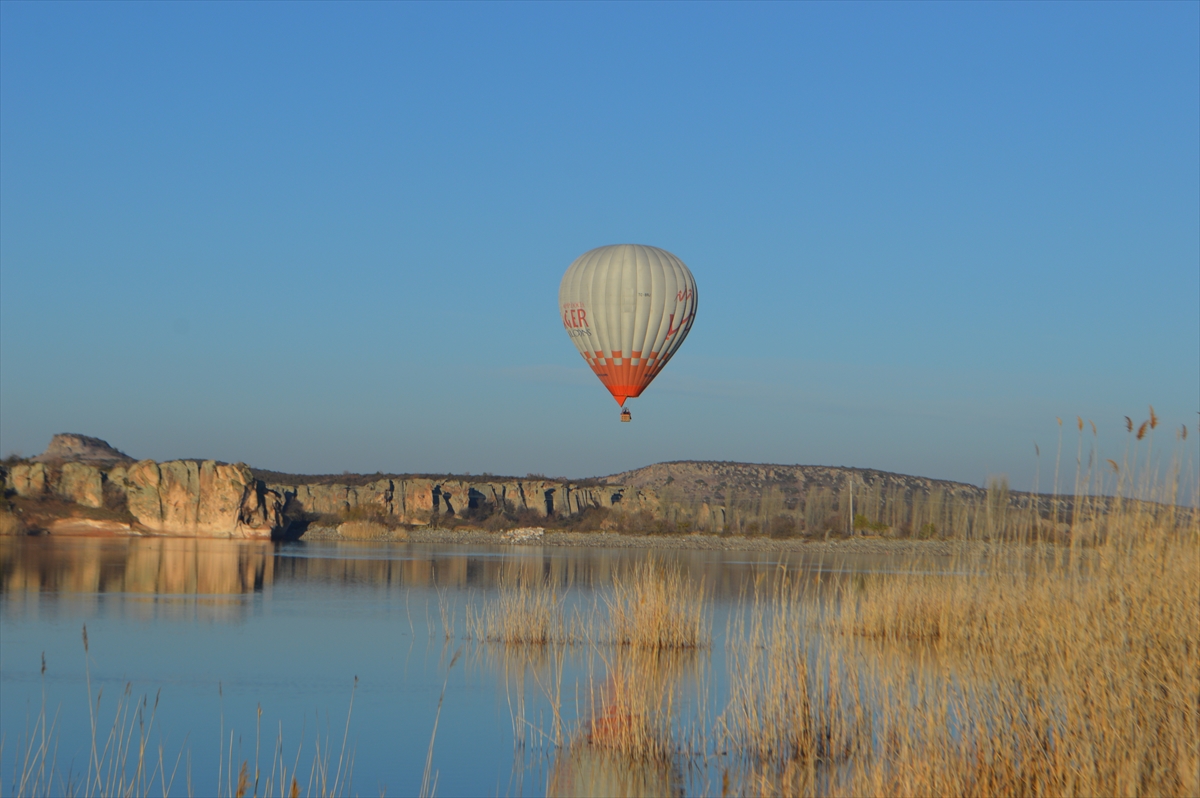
213, 631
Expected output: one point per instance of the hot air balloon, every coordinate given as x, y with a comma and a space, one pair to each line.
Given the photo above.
627, 308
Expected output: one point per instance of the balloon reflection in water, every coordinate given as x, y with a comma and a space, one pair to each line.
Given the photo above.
627, 746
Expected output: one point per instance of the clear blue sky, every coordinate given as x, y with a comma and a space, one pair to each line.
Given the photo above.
329, 237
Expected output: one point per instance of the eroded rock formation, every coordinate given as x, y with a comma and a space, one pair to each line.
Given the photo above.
82, 484
181, 497
211, 499
204, 499
27, 479
417, 500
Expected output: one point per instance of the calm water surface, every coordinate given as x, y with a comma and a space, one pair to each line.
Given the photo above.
217, 629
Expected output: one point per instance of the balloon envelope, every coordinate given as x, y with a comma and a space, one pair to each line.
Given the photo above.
627, 308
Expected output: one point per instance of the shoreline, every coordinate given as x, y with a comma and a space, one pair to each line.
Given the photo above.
698, 542
595, 539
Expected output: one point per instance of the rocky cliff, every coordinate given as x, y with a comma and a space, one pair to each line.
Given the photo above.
107, 489
420, 500
207, 499
182, 497
211, 499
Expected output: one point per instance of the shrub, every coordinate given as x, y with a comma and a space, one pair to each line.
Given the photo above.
366, 512
862, 523
782, 526
369, 530
590, 519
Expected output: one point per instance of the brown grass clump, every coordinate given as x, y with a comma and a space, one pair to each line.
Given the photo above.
658, 607
645, 629
525, 612
369, 530
770, 702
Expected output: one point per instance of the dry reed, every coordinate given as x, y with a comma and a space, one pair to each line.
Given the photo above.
1023, 671
366, 529
658, 607
631, 711
654, 607
524, 612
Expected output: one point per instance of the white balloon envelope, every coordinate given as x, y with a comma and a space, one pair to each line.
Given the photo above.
627, 308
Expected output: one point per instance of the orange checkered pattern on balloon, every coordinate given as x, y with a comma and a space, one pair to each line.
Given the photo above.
626, 377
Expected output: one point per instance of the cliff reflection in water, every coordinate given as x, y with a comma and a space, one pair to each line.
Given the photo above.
134, 565
197, 566
487, 567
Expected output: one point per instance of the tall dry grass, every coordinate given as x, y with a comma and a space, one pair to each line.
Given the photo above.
1077, 676
658, 607
793, 712
524, 612
1071, 670
628, 743
631, 710
655, 606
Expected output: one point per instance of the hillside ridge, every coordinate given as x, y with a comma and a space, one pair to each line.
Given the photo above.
713, 480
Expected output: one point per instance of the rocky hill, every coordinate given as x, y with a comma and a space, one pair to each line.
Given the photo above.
79, 477
70, 447
81, 484
715, 482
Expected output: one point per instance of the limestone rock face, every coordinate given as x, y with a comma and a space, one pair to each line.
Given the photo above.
70, 447
417, 500
82, 484
205, 499
377, 498
210, 499
27, 479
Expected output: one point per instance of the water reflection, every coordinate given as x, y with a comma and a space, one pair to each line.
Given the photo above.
183, 566
629, 743
134, 565
587, 717
585, 770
